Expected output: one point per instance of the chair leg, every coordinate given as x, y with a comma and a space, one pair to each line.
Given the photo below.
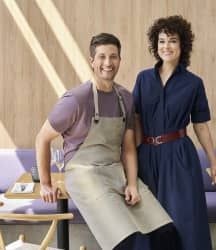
2, 245
83, 248
22, 237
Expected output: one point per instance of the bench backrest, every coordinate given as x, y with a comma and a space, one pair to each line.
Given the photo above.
14, 162
205, 164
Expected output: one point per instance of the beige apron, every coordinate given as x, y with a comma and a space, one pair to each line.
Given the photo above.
96, 181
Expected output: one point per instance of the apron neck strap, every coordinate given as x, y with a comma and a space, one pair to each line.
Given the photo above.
121, 102
95, 95
96, 106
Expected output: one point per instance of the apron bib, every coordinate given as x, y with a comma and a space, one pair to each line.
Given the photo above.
95, 180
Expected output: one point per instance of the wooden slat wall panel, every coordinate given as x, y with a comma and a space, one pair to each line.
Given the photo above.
26, 95
202, 15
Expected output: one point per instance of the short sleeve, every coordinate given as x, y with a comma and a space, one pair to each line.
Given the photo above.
64, 113
130, 123
136, 94
200, 109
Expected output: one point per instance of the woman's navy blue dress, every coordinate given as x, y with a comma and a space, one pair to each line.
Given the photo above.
172, 170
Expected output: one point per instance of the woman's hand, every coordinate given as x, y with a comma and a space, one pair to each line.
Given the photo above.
205, 139
213, 173
132, 195
49, 193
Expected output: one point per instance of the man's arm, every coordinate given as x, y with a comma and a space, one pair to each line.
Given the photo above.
129, 158
43, 141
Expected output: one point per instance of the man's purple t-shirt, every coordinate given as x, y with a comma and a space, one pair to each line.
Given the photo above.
72, 115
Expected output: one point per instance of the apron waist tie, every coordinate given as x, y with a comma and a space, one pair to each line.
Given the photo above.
157, 140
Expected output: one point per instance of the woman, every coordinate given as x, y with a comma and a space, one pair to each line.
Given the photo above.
166, 98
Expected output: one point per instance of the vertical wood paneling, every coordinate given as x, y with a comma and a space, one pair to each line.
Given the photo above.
26, 95
202, 15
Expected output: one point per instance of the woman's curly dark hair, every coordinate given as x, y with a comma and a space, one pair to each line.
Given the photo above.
172, 25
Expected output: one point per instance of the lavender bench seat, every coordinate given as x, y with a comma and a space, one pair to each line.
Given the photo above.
210, 190
14, 163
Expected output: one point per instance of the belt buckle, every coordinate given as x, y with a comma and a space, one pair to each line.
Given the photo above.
154, 140
157, 140
151, 140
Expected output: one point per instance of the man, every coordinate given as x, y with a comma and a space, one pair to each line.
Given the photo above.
96, 121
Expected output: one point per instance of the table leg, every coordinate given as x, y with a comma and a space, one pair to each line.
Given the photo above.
63, 226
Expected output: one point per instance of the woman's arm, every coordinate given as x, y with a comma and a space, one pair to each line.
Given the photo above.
203, 134
129, 158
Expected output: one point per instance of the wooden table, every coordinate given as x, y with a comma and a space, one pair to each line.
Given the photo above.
62, 203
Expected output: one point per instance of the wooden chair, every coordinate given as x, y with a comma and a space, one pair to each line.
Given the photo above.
20, 244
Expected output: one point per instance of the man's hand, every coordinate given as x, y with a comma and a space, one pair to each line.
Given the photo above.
132, 195
49, 193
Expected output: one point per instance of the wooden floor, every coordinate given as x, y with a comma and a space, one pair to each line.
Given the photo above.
213, 234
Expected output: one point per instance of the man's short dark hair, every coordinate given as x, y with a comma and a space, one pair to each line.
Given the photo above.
103, 39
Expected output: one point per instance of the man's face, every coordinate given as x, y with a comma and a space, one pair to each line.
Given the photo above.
106, 61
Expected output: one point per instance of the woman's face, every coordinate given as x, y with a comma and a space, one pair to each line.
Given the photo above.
169, 49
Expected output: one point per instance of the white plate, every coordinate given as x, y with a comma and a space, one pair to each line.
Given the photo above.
23, 188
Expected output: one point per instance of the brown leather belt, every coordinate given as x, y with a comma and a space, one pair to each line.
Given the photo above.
157, 140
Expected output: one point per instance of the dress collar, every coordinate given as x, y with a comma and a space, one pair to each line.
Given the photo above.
180, 68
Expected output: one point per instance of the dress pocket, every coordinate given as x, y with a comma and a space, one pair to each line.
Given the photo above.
183, 159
